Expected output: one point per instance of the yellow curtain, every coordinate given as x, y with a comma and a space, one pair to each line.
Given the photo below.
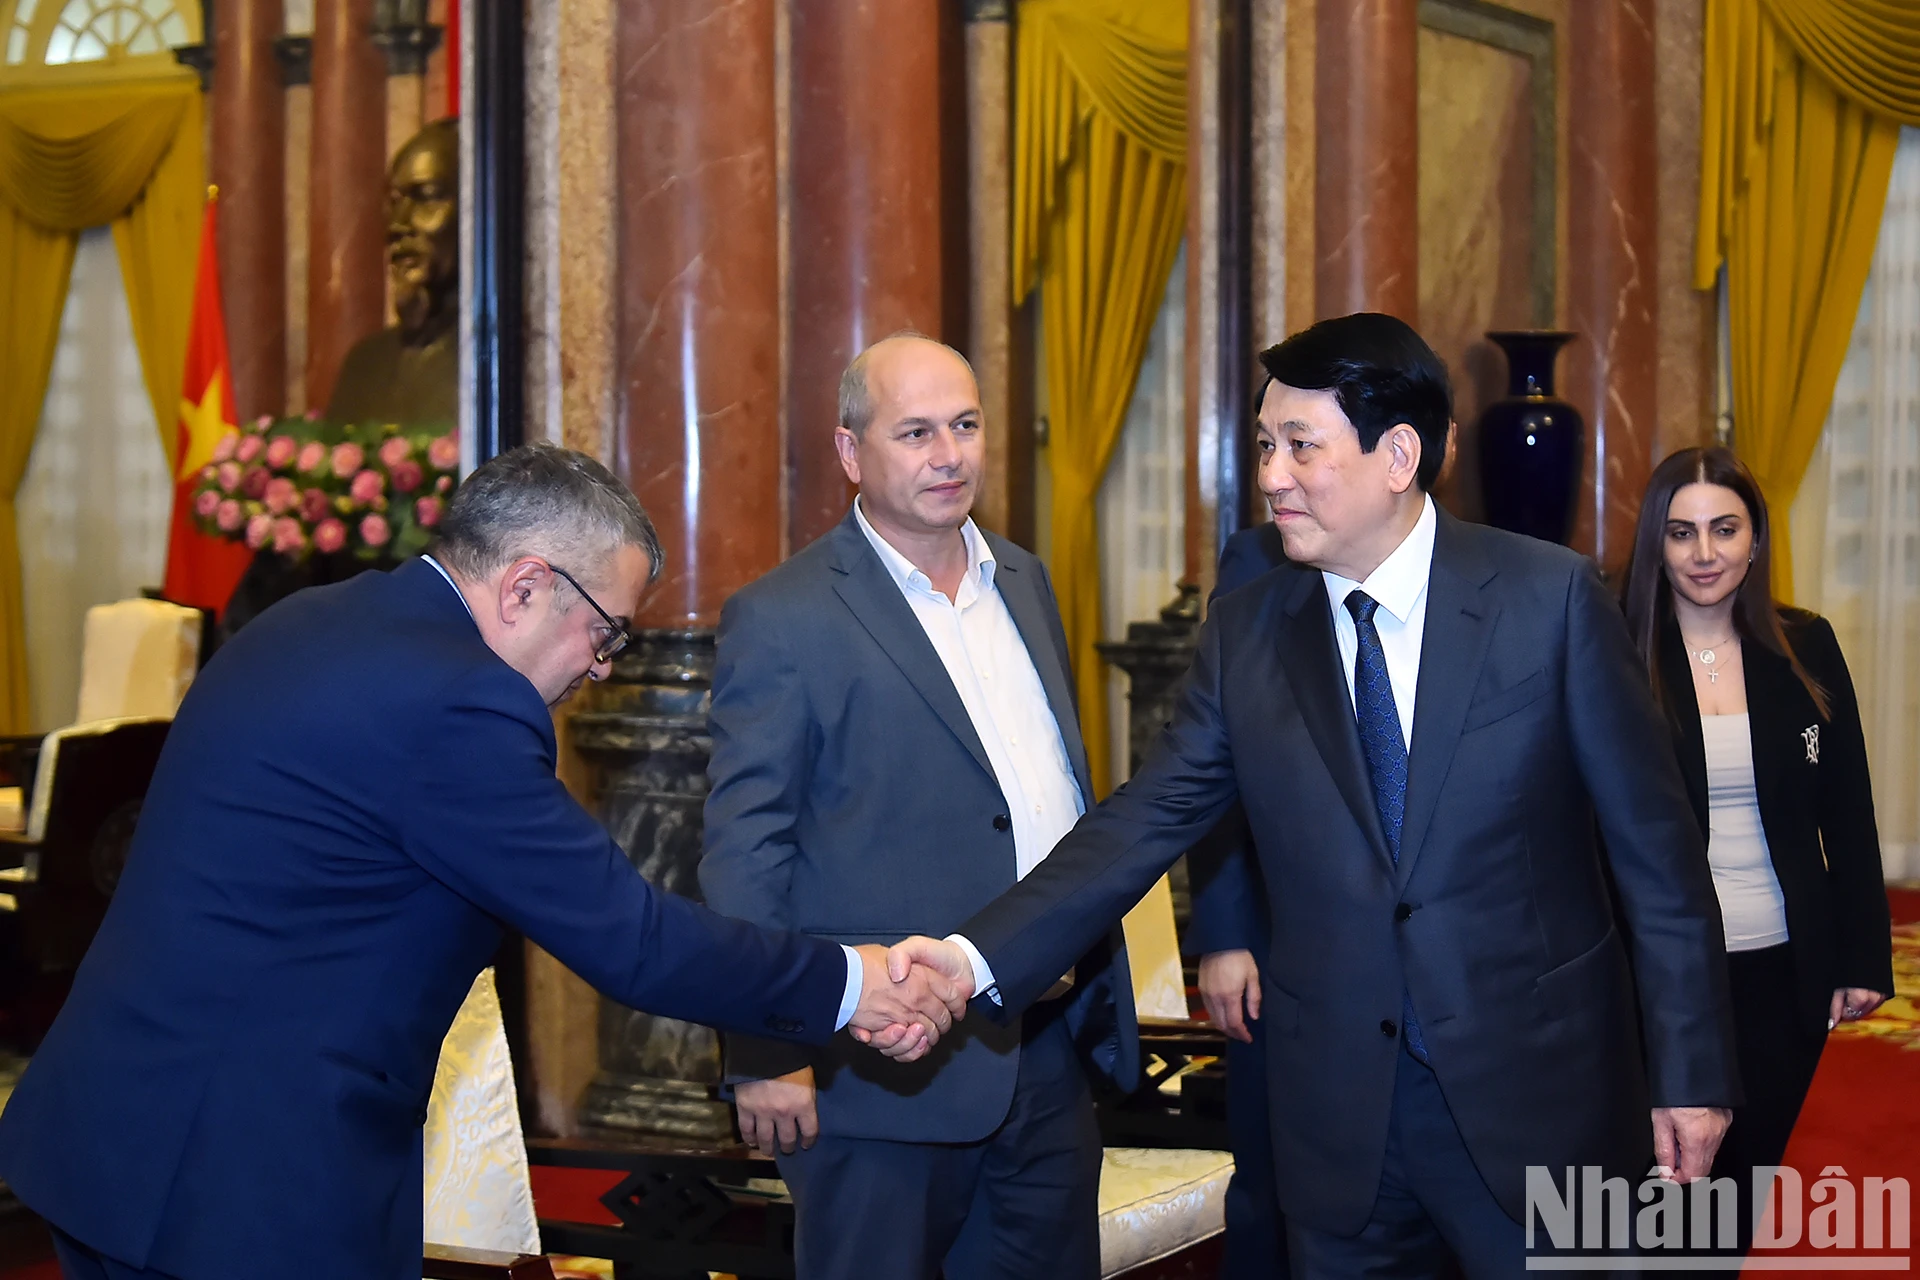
1870, 49
1793, 181
1099, 210
73, 158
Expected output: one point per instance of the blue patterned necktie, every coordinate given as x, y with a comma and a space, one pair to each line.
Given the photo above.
1385, 749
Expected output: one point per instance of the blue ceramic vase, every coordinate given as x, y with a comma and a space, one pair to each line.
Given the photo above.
1531, 441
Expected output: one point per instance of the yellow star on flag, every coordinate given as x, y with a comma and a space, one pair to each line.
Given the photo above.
205, 423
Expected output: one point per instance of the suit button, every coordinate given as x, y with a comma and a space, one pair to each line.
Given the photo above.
1001, 822
420, 1116
1402, 911
1387, 1028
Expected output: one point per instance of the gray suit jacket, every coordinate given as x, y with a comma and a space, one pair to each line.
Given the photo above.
1533, 720
852, 799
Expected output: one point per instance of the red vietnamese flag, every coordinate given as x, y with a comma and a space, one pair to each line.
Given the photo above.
202, 570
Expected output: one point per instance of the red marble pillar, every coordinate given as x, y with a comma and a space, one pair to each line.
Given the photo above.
1366, 158
346, 256
1612, 371
249, 166
698, 298
865, 228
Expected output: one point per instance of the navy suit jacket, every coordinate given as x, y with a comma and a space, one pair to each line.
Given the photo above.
1533, 716
1229, 911
852, 799
356, 796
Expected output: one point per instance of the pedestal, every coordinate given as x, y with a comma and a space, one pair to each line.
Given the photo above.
643, 736
1155, 656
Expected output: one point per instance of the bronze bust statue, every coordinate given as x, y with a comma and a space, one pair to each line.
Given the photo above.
410, 372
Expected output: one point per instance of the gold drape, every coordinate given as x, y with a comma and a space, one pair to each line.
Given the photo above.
1099, 210
1793, 181
73, 158
1870, 49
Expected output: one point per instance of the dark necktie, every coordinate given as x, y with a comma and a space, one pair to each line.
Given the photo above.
1385, 749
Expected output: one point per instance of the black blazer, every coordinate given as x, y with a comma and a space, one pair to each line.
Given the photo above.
1816, 805
851, 799
1533, 716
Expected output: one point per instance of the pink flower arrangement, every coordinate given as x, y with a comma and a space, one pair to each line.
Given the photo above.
259, 529
302, 486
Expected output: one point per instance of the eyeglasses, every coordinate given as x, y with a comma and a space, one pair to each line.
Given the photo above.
614, 643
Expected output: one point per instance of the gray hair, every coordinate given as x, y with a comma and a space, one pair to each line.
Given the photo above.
541, 499
856, 398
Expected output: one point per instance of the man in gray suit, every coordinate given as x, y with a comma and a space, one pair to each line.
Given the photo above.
895, 745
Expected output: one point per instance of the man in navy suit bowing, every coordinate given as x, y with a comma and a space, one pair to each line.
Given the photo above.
357, 795
1423, 720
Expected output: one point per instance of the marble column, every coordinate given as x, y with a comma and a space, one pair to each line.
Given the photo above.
1366, 163
1202, 346
346, 274
698, 322
248, 164
295, 53
1005, 504
865, 222
1689, 317
1613, 245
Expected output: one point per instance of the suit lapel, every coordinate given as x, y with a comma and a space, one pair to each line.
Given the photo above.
875, 600
1022, 597
1777, 711
1312, 662
1683, 712
1453, 647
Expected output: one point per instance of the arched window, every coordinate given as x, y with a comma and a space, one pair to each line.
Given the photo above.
44, 34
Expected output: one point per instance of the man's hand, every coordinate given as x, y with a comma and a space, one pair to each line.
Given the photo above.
779, 1111
1685, 1139
1851, 1004
1229, 979
905, 1016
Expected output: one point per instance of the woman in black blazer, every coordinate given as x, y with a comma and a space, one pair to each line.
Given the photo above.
1769, 740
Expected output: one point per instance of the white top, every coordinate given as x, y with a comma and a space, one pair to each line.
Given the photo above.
1751, 906
1400, 587
993, 672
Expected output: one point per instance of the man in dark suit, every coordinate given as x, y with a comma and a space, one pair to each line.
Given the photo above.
357, 795
1447, 1001
894, 745
1228, 931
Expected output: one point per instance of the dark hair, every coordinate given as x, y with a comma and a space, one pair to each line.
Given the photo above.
1646, 594
1381, 373
541, 499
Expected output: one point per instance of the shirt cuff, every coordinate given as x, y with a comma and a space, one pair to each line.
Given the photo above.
983, 984
856, 980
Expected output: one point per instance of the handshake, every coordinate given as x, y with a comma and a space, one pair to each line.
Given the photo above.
911, 995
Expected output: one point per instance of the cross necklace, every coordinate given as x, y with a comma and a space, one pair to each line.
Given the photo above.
1707, 658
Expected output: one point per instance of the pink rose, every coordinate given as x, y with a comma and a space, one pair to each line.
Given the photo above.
443, 485
254, 482
228, 515
249, 448
282, 495
280, 451
288, 536
367, 485
313, 457
395, 450
329, 536
313, 415
259, 529
223, 447
347, 459
229, 476
205, 503
428, 511
374, 531
444, 453
264, 421
407, 476
313, 506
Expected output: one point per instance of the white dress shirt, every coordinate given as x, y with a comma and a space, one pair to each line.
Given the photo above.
856, 970
1400, 586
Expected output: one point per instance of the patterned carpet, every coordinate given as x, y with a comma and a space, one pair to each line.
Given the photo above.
1898, 1020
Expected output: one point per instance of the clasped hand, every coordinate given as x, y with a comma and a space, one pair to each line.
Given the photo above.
907, 1004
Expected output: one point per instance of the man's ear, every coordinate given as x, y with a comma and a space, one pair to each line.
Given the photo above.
520, 585
1403, 457
848, 448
